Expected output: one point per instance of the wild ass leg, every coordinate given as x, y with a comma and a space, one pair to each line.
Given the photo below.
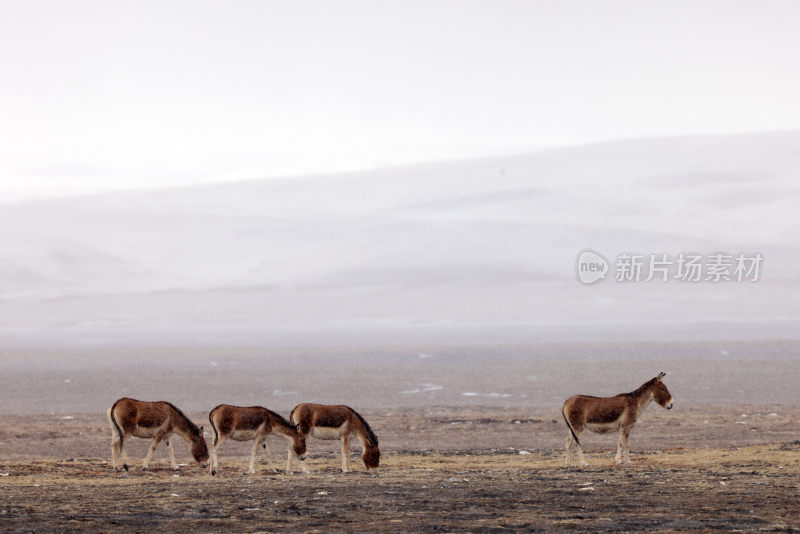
116, 444
153, 447
569, 444
260, 437
113, 454
172, 463
118, 451
622, 443
584, 463
116, 439
580, 452
268, 454
251, 470
125, 461
346, 453
289, 458
628, 446
214, 459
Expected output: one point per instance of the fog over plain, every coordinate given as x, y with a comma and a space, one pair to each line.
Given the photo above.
478, 250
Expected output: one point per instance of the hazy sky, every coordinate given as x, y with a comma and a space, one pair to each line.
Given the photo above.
103, 95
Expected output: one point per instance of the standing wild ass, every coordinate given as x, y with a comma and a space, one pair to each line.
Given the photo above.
610, 414
252, 423
336, 422
156, 420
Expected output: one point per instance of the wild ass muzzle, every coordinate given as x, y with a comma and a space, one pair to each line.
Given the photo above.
337, 422
253, 423
156, 420
611, 414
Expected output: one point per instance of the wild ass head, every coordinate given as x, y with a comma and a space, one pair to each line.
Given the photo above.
660, 392
199, 448
299, 446
371, 457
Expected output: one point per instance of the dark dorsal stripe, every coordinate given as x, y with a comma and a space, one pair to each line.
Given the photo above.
194, 427
372, 437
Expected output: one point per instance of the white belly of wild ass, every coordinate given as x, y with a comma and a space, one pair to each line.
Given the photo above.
146, 432
327, 432
603, 428
243, 435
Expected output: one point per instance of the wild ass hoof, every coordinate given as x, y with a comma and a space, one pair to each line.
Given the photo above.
250, 472
125, 466
213, 472
145, 468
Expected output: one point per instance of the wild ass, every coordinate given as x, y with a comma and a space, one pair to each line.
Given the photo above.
609, 414
336, 422
156, 420
253, 423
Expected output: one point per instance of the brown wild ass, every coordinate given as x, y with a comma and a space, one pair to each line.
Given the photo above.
252, 423
610, 414
336, 422
157, 420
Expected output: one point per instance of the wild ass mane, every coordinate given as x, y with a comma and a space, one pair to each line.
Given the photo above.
282, 420
641, 389
195, 429
370, 434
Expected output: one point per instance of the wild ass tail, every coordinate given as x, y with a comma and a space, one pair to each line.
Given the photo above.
115, 426
569, 425
211, 421
292, 419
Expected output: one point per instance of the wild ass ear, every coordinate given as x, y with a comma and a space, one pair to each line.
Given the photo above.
661, 375
201, 431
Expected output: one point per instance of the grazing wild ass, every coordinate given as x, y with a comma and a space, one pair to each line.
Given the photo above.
610, 414
156, 420
336, 422
253, 423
